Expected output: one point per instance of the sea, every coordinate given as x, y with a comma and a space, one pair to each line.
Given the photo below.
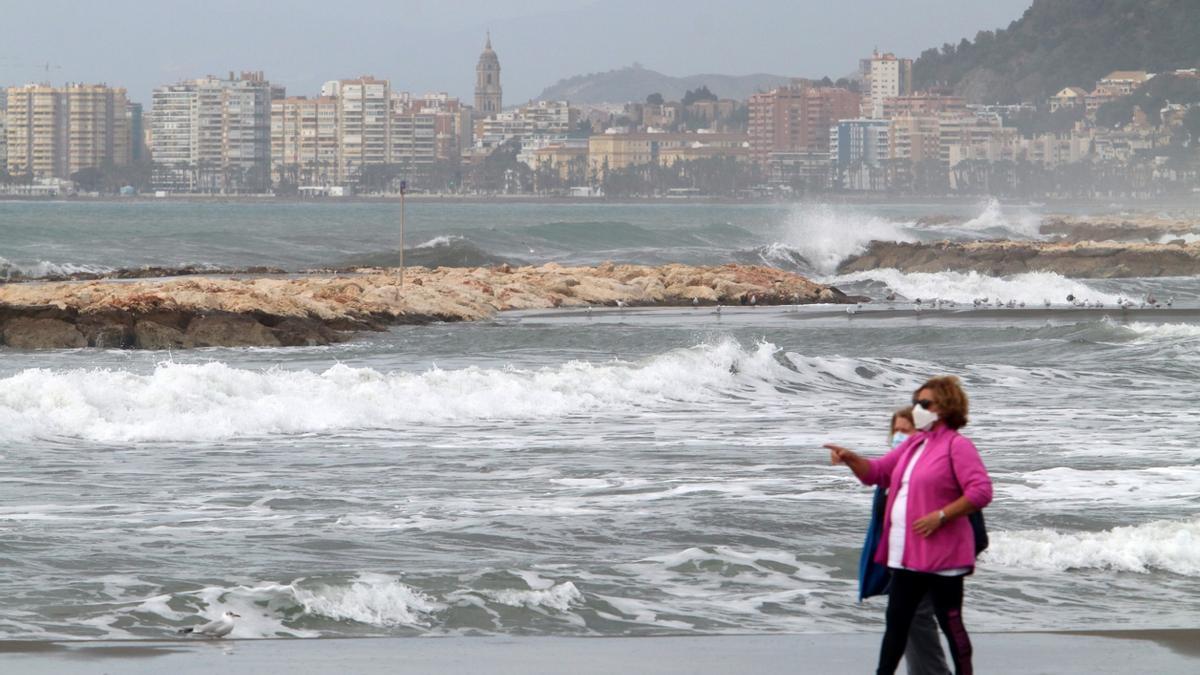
615, 472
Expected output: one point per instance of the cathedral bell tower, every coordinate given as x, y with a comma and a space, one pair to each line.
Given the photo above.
488, 94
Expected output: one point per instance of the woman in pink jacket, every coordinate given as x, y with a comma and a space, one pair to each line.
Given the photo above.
935, 480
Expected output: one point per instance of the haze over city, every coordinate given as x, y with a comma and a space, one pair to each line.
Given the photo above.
432, 46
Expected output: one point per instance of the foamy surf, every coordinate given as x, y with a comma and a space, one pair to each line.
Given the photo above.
825, 236
211, 401
1163, 545
1031, 288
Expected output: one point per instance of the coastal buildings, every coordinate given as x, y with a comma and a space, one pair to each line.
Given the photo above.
858, 150
884, 77
213, 134
364, 123
54, 132
789, 130
361, 123
615, 151
304, 141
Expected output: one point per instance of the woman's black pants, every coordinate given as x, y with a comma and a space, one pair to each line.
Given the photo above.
908, 588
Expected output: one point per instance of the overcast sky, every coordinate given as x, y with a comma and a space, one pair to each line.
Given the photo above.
423, 45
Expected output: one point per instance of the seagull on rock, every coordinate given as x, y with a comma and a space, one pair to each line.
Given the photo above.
217, 628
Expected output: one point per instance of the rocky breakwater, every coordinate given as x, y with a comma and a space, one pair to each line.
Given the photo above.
1095, 260
320, 309
1134, 227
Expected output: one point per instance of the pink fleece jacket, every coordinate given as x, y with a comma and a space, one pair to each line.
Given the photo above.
931, 487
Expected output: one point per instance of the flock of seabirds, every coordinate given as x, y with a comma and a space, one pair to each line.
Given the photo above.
920, 305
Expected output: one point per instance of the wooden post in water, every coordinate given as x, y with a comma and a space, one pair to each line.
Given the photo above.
400, 273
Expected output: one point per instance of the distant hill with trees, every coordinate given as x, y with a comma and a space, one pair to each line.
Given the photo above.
636, 82
1059, 43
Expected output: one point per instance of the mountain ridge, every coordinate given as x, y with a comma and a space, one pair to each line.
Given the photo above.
635, 83
1060, 43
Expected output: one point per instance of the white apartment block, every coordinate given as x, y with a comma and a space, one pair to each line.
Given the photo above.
364, 115
213, 134
885, 76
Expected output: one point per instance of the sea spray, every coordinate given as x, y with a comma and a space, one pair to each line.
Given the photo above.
825, 236
993, 222
1031, 288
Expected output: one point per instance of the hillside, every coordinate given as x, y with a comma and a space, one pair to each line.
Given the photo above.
635, 83
1058, 43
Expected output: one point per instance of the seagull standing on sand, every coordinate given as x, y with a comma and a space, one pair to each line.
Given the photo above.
218, 628
695, 302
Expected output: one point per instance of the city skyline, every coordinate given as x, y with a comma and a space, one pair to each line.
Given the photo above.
150, 45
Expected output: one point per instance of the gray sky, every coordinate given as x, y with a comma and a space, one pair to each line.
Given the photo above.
422, 45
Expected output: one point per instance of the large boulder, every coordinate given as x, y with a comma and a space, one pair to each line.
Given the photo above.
224, 330
153, 335
26, 333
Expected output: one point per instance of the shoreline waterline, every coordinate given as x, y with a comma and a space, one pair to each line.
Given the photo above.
1160, 651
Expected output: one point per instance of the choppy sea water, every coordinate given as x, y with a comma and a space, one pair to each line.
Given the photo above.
635, 472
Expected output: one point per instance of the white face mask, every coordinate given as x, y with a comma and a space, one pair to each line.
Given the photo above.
898, 438
922, 418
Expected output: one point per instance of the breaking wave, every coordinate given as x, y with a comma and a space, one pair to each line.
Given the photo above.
1031, 287
1170, 546
993, 222
211, 401
824, 235
46, 269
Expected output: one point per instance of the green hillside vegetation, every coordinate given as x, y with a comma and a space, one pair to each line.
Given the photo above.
1059, 43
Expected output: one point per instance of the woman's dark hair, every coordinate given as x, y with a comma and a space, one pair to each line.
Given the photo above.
950, 398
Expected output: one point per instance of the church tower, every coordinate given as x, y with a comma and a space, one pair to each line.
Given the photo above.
487, 82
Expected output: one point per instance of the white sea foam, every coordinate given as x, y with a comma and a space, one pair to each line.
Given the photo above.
444, 240
211, 401
1162, 545
993, 221
1187, 237
1031, 287
560, 597
45, 268
825, 236
374, 599
1153, 332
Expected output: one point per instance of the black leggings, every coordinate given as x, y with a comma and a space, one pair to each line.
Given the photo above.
908, 588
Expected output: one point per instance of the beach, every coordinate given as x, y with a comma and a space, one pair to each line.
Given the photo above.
1160, 652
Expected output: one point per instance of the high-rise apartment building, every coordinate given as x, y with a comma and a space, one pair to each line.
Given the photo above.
3, 130
884, 77
213, 134
364, 109
359, 123
797, 118
53, 132
304, 141
858, 150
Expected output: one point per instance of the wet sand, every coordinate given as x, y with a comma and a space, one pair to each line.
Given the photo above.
1138, 651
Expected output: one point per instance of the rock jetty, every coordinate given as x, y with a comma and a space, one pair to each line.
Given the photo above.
1089, 259
319, 309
